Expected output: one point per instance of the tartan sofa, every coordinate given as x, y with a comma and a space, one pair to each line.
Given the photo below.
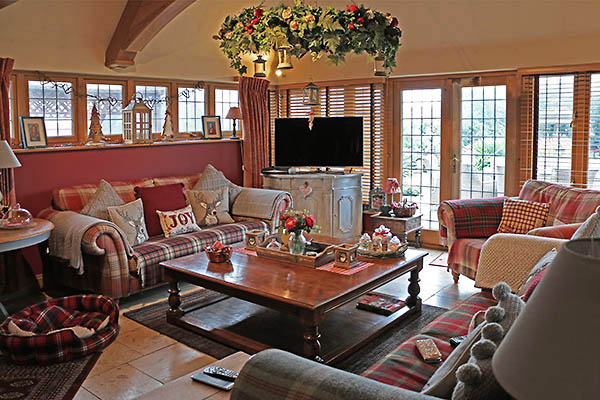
110, 271
466, 224
278, 375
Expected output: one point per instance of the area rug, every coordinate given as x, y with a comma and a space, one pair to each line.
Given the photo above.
154, 317
50, 382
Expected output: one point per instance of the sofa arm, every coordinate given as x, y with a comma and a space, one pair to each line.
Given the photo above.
469, 218
558, 232
510, 257
278, 375
265, 204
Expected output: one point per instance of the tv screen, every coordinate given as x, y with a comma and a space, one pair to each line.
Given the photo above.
332, 142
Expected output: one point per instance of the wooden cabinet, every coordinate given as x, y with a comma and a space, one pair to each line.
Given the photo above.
334, 199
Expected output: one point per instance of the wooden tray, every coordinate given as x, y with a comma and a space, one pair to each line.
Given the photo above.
324, 254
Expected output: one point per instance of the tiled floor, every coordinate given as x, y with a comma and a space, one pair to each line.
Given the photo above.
141, 359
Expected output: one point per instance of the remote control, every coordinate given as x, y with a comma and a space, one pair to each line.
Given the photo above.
455, 341
220, 372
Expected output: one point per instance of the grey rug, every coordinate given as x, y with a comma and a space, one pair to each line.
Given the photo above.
154, 317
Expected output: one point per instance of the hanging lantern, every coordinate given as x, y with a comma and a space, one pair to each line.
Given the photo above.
259, 67
311, 95
137, 123
285, 58
379, 67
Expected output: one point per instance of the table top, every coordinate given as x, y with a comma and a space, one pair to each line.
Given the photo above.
286, 282
40, 227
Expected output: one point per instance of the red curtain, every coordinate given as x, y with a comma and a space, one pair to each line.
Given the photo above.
254, 102
7, 177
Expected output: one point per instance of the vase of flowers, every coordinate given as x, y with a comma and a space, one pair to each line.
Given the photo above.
296, 223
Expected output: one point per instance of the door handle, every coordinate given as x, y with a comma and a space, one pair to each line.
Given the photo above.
454, 161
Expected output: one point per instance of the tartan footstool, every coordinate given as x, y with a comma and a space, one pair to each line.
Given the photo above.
60, 329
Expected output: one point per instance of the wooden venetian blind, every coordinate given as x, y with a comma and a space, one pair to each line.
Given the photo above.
366, 100
527, 127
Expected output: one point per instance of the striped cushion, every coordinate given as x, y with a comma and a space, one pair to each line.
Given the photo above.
404, 366
521, 216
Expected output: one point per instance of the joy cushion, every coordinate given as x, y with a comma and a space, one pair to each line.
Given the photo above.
60, 329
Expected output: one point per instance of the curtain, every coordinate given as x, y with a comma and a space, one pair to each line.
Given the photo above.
254, 102
7, 177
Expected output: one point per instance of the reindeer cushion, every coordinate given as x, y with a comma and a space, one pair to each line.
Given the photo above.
130, 218
178, 221
210, 207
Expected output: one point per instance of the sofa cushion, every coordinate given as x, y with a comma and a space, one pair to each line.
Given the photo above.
188, 180
178, 221
211, 207
405, 368
212, 179
521, 216
104, 197
157, 249
161, 198
74, 198
130, 218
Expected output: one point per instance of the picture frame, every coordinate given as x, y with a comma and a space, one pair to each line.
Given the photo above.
33, 132
211, 127
376, 199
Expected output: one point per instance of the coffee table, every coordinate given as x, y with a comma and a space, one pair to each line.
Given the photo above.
273, 304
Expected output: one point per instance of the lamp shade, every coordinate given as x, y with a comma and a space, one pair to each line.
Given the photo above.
234, 113
551, 352
7, 156
391, 186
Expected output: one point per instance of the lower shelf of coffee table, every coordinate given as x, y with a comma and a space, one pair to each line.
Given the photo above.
252, 328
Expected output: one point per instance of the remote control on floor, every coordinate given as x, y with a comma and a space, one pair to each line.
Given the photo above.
220, 372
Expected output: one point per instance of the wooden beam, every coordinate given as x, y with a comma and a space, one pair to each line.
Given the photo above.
5, 3
140, 22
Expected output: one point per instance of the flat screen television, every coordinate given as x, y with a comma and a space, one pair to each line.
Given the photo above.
332, 142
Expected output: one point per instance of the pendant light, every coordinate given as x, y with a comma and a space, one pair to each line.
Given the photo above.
259, 67
285, 58
379, 66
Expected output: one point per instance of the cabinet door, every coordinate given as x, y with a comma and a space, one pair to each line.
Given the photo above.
347, 216
318, 203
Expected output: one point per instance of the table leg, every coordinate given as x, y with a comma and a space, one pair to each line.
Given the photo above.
312, 346
174, 300
413, 288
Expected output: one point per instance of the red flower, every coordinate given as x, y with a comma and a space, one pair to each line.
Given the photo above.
281, 218
351, 27
255, 21
394, 22
249, 29
259, 12
290, 223
360, 20
352, 8
310, 221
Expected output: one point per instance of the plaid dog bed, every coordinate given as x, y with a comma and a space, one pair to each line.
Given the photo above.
48, 347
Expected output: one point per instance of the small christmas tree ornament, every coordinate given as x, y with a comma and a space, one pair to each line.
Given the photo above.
95, 136
167, 131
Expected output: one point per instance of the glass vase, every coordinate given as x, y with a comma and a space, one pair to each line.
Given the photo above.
297, 242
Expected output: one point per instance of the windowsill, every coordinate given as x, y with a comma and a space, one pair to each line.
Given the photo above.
112, 146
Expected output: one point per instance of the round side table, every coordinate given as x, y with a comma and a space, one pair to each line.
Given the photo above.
13, 240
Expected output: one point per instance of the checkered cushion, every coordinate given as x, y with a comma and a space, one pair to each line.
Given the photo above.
64, 345
463, 256
405, 368
188, 180
74, 198
521, 216
148, 255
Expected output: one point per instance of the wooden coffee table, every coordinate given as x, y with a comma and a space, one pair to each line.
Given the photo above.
272, 304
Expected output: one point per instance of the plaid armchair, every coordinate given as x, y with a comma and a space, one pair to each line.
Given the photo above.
465, 225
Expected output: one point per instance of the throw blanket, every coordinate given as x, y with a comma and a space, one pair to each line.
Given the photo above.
69, 228
258, 203
476, 218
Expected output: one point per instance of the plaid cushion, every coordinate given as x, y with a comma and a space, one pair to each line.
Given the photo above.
148, 255
64, 345
188, 180
74, 198
567, 204
404, 366
521, 216
463, 256
558, 231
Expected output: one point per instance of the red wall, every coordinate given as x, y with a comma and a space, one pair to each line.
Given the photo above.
41, 172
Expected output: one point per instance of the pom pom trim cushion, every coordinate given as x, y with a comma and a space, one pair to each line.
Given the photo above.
521, 216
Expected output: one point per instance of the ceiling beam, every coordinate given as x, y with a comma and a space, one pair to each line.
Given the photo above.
140, 22
5, 3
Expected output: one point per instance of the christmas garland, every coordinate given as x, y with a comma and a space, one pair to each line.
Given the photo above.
310, 29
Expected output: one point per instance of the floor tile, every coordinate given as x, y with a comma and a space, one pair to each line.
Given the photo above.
124, 382
145, 340
114, 355
172, 362
83, 394
127, 325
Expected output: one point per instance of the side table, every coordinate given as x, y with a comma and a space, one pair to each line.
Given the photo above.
11, 241
401, 227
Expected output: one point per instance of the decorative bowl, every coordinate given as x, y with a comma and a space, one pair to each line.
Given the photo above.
219, 256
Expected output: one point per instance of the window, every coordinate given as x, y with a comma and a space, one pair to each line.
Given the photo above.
483, 138
593, 175
191, 109
159, 106
224, 100
55, 104
111, 114
421, 145
555, 131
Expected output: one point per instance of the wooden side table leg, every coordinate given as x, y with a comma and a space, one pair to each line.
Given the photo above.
413, 288
312, 346
174, 300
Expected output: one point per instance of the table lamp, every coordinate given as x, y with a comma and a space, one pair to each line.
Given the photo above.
7, 158
551, 352
391, 187
234, 113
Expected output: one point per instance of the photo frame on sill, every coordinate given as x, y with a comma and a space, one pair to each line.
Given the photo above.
33, 132
211, 127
